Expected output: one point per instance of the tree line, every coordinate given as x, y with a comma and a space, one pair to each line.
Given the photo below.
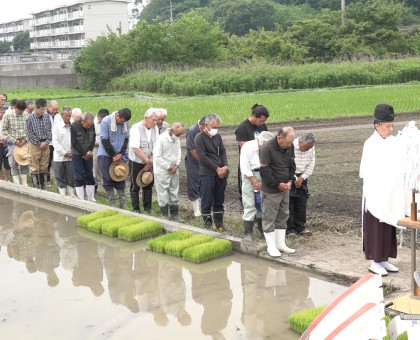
373, 29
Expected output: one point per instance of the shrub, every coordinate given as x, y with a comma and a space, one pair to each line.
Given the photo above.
159, 244
177, 247
140, 231
207, 251
82, 221
111, 227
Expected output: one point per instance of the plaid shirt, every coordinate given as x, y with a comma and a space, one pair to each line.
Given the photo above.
14, 127
38, 128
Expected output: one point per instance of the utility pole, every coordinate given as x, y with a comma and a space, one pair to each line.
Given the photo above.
343, 12
170, 9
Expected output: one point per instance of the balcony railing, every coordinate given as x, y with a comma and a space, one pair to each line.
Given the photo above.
58, 44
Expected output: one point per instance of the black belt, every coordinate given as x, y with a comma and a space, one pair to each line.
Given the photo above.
257, 170
42, 140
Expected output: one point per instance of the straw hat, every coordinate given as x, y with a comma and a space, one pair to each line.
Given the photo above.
26, 222
144, 178
21, 154
118, 172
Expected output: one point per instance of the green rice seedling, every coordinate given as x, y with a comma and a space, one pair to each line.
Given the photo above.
96, 225
111, 227
140, 231
177, 247
82, 221
159, 244
207, 251
300, 321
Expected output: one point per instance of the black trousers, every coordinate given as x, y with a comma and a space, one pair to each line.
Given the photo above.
212, 193
297, 209
297, 214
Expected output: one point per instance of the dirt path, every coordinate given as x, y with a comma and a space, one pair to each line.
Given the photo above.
334, 209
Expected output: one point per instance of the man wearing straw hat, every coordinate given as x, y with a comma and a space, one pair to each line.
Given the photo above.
383, 194
166, 160
14, 130
38, 127
140, 153
113, 142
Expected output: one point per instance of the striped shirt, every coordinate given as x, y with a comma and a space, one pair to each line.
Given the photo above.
38, 128
305, 161
14, 127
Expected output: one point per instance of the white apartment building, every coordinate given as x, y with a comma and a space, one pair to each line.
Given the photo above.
8, 30
60, 32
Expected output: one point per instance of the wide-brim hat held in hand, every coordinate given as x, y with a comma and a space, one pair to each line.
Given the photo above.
118, 172
144, 178
21, 154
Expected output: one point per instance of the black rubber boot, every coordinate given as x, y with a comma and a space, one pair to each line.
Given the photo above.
35, 181
43, 180
109, 193
208, 222
135, 201
260, 229
164, 212
147, 200
174, 214
121, 198
248, 226
218, 222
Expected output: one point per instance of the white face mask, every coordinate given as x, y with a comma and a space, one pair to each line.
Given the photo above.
213, 132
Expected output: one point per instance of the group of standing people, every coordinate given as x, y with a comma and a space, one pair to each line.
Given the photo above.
82, 151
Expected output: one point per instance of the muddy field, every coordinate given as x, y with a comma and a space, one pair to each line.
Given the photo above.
335, 186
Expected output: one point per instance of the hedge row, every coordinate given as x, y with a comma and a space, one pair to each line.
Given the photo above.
267, 77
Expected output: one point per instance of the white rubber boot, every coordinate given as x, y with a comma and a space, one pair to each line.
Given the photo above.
16, 179
70, 191
281, 241
90, 193
270, 238
80, 193
196, 207
24, 180
62, 191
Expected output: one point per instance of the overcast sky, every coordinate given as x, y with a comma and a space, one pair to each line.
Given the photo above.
20, 9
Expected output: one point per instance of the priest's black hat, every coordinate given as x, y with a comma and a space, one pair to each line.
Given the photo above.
384, 113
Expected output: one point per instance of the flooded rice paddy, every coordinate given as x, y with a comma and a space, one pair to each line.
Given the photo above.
61, 282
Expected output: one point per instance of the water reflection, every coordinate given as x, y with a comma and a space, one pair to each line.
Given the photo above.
232, 297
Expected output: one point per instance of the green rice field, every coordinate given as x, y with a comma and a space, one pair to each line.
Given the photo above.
283, 106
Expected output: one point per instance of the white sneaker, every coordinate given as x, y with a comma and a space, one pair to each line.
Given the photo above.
389, 267
376, 268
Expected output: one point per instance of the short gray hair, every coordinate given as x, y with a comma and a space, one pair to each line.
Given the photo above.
211, 117
307, 138
76, 111
87, 116
264, 137
150, 112
163, 112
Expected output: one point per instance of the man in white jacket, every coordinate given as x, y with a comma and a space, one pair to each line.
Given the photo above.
166, 161
383, 194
